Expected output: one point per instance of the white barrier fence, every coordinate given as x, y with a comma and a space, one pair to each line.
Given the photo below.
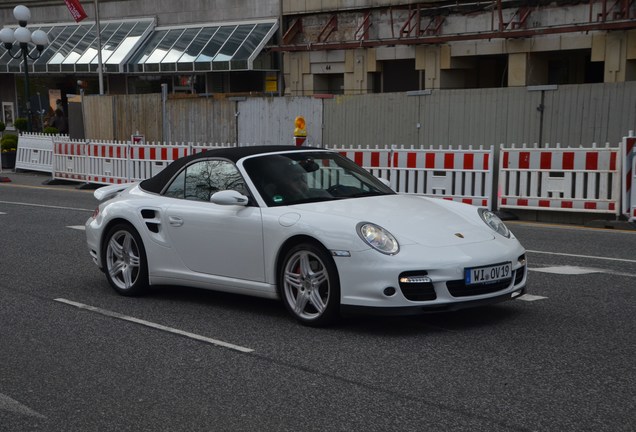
458, 174
564, 179
632, 179
35, 152
628, 151
117, 162
593, 179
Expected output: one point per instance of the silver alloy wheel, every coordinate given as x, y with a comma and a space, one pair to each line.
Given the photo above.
123, 259
306, 285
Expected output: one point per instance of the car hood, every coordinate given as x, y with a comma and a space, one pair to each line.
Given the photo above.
411, 219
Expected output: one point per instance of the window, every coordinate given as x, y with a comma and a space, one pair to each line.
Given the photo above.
202, 179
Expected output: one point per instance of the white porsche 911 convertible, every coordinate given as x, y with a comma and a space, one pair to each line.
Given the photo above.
305, 225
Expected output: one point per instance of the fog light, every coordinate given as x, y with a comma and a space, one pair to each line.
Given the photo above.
389, 291
415, 279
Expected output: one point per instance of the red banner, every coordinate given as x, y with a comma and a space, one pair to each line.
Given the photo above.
76, 9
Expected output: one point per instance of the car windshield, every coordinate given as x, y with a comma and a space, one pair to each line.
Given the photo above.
302, 177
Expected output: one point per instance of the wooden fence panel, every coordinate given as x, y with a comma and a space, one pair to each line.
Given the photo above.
98, 117
140, 113
201, 120
572, 115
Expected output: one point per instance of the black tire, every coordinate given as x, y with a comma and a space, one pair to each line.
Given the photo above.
309, 285
124, 260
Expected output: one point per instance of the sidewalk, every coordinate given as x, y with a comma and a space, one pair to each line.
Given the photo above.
34, 178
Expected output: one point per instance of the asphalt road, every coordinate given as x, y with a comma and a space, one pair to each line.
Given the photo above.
75, 356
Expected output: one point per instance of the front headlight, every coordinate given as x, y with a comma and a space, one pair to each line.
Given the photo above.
378, 238
493, 221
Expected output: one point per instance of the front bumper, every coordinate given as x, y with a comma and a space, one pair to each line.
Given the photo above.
350, 310
370, 280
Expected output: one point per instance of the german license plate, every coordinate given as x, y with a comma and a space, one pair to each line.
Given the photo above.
487, 274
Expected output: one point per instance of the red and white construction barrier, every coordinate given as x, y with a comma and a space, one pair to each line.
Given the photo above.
628, 151
632, 211
104, 162
146, 160
565, 179
107, 162
458, 174
69, 160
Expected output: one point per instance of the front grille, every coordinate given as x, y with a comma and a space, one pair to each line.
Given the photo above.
418, 291
458, 288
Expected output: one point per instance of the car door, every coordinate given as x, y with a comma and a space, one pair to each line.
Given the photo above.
221, 240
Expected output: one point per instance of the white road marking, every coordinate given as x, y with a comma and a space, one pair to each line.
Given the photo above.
530, 297
77, 227
567, 270
1, 213
574, 270
583, 256
45, 206
155, 326
8, 404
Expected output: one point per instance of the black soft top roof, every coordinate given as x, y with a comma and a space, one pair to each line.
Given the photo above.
157, 183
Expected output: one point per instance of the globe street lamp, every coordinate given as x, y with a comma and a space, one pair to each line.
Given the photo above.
22, 35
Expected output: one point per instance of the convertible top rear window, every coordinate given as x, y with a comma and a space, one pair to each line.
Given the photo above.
157, 183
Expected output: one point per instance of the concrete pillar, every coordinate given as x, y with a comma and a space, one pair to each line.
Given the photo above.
517, 69
298, 80
429, 59
613, 49
356, 77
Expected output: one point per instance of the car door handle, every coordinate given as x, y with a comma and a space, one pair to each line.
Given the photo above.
175, 221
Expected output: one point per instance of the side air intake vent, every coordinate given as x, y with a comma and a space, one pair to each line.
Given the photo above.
150, 216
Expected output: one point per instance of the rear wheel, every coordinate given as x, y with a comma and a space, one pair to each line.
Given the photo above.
309, 285
124, 260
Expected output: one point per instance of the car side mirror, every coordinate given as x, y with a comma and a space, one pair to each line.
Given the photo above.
229, 197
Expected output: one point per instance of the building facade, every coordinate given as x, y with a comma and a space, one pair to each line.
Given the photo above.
384, 46
311, 47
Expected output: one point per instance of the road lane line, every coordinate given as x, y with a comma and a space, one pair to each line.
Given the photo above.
12, 405
583, 256
45, 206
77, 227
530, 297
574, 271
155, 326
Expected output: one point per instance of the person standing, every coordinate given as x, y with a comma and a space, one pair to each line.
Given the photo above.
59, 122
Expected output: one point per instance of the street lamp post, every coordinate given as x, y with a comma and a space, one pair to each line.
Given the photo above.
23, 36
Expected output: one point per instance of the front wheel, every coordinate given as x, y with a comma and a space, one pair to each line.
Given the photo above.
309, 285
124, 260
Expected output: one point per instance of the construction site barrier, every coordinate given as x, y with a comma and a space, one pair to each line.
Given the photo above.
35, 151
457, 174
628, 151
69, 160
104, 162
564, 179
146, 160
632, 177
107, 162
567, 179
